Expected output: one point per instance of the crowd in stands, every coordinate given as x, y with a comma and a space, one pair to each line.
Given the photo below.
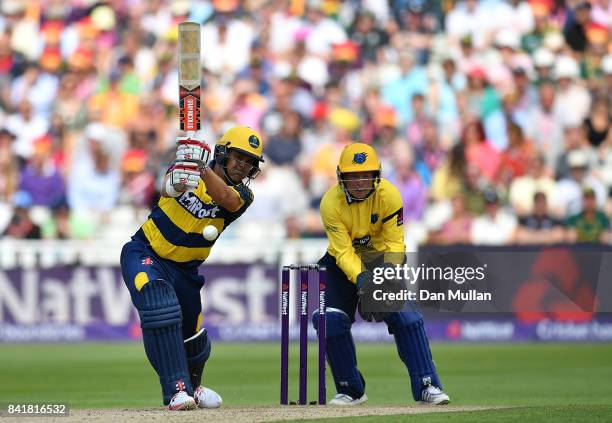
492, 117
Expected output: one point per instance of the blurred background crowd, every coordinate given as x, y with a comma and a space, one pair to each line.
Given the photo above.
492, 117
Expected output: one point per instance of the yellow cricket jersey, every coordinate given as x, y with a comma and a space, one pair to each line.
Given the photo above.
375, 224
174, 227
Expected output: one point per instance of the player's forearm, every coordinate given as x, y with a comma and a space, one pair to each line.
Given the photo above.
219, 191
349, 263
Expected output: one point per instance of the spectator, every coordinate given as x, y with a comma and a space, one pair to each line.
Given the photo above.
138, 184
606, 69
94, 182
21, 225
36, 87
415, 126
227, 40
525, 93
68, 107
568, 192
575, 29
543, 125
543, 61
524, 188
539, 227
407, 180
519, 17
284, 148
597, 123
248, 106
449, 179
533, 40
322, 32
27, 127
273, 216
601, 12
59, 225
284, 24
572, 100
496, 226
590, 225
323, 163
574, 140
453, 78
40, 178
515, 158
367, 36
469, 18
479, 151
114, 107
474, 186
431, 154
398, 92
9, 168
457, 229
481, 98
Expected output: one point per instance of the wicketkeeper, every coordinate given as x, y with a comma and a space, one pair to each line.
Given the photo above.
160, 264
363, 213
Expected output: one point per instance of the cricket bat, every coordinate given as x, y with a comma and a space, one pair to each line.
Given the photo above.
189, 76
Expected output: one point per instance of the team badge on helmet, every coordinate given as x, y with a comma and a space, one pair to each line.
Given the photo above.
360, 158
254, 141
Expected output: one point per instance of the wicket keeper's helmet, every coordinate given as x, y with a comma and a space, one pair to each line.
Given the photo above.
243, 139
358, 157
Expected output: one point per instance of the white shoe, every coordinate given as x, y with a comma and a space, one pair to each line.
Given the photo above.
433, 395
347, 401
181, 401
207, 398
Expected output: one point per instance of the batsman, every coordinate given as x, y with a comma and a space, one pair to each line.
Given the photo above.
160, 263
363, 212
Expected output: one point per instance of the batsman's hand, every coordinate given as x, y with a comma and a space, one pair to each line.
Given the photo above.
192, 150
184, 175
365, 287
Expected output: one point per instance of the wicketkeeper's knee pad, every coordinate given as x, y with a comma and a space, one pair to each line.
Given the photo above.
160, 319
402, 319
337, 322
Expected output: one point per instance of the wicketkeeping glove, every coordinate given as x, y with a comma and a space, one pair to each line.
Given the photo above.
184, 175
192, 150
365, 287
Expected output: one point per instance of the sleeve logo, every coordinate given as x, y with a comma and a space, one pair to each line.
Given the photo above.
400, 217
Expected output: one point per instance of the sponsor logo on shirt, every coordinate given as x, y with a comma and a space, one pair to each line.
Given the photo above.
190, 202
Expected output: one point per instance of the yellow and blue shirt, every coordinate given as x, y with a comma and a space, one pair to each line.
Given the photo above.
372, 225
174, 227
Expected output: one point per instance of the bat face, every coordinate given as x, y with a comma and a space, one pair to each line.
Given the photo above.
189, 76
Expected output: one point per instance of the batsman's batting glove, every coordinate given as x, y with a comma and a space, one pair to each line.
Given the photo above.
365, 287
184, 176
192, 150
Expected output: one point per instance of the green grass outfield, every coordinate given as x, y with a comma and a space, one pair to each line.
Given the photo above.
544, 382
